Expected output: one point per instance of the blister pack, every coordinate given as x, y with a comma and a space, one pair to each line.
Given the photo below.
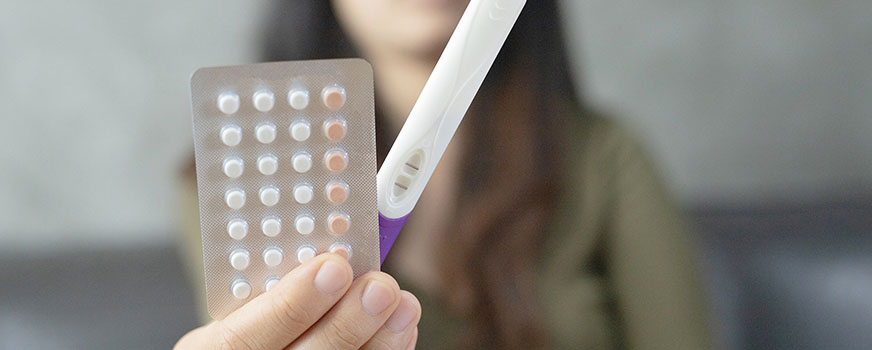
286, 170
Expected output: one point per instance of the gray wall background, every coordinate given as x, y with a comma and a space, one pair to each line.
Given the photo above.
96, 118
739, 102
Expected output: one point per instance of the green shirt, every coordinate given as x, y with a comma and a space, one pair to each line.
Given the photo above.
644, 292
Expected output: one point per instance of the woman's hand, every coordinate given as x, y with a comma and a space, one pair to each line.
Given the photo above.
317, 306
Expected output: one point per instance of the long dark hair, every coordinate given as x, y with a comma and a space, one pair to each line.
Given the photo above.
510, 184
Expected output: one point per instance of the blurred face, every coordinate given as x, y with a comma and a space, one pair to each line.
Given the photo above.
410, 27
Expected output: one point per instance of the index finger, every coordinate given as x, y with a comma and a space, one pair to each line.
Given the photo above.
274, 319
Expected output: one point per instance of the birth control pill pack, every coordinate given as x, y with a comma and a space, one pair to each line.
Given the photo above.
286, 170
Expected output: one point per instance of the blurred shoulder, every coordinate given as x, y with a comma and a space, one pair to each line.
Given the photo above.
608, 167
601, 141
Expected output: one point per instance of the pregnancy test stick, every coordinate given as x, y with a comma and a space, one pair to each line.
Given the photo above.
455, 80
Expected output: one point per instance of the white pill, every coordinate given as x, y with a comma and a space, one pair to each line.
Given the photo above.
272, 257
298, 99
235, 198
302, 162
304, 224
305, 253
269, 196
268, 164
271, 226
263, 100
300, 130
228, 102
237, 229
231, 135
233, 167
241, 289
303, 193
265, 133
270, 283
239, 259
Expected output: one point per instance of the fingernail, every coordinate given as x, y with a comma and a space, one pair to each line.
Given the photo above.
377, 296
330, 278
403, 315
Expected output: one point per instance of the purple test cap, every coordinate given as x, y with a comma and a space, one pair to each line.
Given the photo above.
388, 230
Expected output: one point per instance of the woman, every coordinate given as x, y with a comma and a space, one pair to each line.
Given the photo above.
551, 229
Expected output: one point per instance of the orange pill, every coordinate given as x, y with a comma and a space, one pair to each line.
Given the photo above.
337, 192
338, 223
341, 249
333, 97
336, 161
334, 130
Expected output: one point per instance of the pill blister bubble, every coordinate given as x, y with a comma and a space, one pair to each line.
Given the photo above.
300, 130
338, 223
335, 129
241, 289
228, 102
298, 99
268, 164
305, 253
265, 133
272, 257
304, 224
342, 249
333, 97
239, 259
302, 162
231, 135
263, 100
235, 198
303, 193
336, 160
271, 226
233, 167
336, 192
270, 283
269, 196
237, 229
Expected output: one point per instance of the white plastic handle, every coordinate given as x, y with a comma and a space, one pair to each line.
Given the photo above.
455, 80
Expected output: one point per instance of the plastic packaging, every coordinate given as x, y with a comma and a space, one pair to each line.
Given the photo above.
282, 177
